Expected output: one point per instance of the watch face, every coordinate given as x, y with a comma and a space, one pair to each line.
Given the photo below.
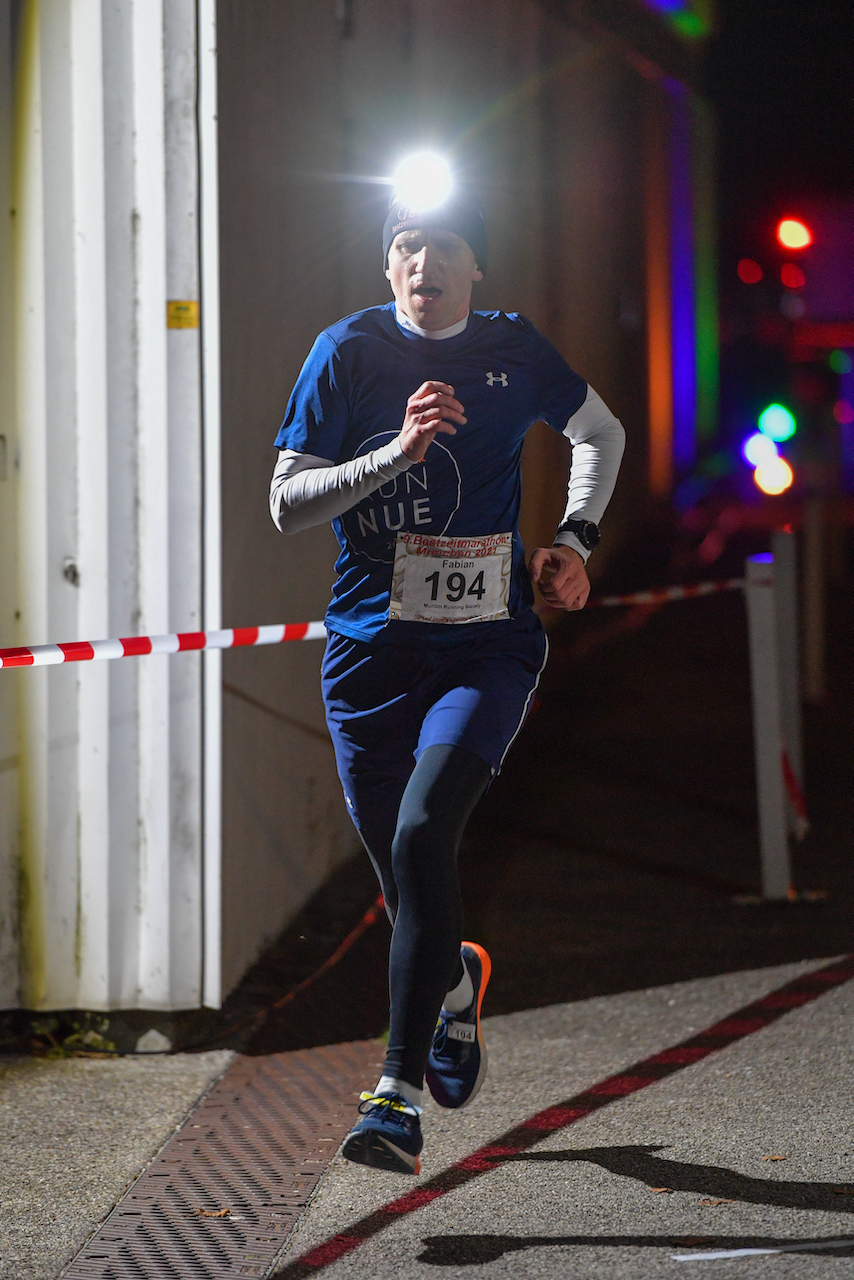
585, 531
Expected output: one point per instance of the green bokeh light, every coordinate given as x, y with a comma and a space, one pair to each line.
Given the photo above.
689, 24
777, 422
840, 361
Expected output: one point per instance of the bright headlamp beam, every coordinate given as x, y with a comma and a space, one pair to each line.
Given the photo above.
422, 180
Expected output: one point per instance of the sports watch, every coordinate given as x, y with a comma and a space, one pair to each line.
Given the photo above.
585, 531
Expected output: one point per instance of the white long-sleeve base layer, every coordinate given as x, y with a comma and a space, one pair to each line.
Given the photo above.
307, 490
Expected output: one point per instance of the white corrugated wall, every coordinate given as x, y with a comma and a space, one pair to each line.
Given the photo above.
103, 767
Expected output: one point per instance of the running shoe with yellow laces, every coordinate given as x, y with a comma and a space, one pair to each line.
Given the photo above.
388, 1136
456, 1067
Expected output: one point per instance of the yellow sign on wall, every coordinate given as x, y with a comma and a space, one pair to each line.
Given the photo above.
182, 315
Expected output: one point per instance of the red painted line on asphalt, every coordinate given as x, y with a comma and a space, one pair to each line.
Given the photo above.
736, 1026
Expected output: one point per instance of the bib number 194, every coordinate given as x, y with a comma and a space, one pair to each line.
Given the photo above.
453, 580
455, 586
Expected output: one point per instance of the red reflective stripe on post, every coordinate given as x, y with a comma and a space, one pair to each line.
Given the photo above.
135, 646
17, 657
191, 640
77, 651
295, 630
796, 795
245, 635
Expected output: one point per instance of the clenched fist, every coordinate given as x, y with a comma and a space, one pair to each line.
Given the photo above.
560, 574
431, 410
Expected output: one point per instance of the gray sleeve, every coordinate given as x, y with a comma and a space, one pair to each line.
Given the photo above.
598, 440
306, 490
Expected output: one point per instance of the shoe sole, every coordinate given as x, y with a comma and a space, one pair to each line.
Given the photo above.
376, 1152
485, 975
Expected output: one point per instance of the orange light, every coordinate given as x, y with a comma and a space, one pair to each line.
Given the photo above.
748, 271
774, 476
792, 276
793, 234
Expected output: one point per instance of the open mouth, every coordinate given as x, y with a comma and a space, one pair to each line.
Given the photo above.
426, 291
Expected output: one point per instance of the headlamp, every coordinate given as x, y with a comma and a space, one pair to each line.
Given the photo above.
422, 181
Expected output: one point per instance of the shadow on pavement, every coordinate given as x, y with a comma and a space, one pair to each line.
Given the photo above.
639, 1163
456, 1251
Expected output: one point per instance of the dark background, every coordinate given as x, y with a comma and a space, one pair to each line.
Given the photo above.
779, 75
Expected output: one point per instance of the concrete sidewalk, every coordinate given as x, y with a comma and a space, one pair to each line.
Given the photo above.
675, 1170
73, 1134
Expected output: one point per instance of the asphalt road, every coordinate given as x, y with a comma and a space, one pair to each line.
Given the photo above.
674, 1172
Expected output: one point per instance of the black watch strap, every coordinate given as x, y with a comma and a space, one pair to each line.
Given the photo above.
585, 531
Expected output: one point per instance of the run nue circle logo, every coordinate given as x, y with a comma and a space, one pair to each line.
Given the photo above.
423, 499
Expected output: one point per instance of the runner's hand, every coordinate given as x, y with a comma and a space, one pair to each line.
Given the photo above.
432, 409
560, 574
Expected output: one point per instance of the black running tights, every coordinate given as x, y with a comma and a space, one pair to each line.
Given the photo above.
416, 861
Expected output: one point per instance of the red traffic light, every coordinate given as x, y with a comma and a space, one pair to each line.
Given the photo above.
793, 234
792, 276
748, 271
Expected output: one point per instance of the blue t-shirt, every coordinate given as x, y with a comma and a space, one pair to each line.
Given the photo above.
350, 398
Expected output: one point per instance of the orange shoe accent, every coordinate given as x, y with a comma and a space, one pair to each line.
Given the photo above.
485, 971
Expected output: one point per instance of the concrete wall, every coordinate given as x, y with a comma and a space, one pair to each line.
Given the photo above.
314, 96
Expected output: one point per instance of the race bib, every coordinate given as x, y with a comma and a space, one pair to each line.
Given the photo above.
451, 579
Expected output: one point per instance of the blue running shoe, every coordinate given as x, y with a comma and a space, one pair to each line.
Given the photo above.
387, 1137
456, 1067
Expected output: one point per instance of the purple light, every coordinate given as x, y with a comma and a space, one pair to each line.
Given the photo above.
682, 301
846, 429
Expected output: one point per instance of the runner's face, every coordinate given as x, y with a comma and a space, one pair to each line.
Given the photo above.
431, 274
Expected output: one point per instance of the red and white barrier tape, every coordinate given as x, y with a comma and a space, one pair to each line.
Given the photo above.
47, 655
660, 595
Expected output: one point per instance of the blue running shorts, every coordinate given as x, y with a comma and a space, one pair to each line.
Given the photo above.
387, 701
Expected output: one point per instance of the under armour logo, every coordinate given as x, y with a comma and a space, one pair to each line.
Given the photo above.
500, 378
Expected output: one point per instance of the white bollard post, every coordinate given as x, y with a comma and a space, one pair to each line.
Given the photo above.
814, 674
783, 546
767, 725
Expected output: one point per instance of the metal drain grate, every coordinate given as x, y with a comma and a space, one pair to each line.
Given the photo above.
257, 1146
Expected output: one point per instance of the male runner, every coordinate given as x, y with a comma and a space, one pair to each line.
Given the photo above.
405, 428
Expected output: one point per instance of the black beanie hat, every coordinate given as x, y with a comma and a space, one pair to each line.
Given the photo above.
459, 214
